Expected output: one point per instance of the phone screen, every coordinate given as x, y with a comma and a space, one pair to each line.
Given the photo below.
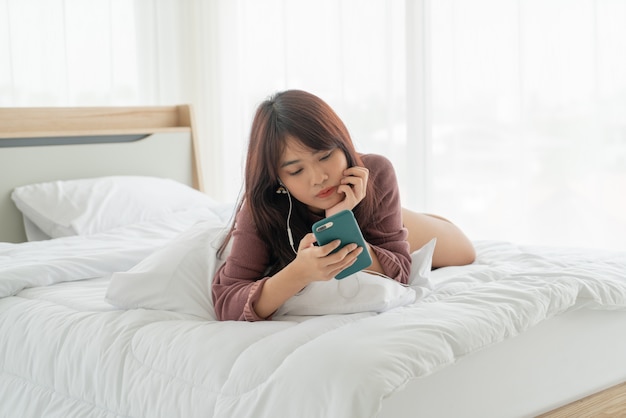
344, 227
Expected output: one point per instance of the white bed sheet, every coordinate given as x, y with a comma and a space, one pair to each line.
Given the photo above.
65, 353
41, 263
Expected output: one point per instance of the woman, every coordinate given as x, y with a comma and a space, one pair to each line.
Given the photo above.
302, 167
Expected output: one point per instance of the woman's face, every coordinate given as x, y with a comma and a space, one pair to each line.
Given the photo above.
312, 176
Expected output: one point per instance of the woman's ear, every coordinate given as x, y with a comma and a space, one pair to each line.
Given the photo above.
281, 187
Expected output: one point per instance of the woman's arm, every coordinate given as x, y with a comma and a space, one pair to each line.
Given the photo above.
313, 263
240, 290
238, 283
453, 247
384, 231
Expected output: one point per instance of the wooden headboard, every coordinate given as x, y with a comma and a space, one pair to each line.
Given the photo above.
47, 144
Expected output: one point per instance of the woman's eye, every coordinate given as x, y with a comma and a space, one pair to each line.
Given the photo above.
293, 173
327, 156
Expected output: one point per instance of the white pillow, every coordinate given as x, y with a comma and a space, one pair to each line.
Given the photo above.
359, 292
178, 278
363, 291
88, 206
421, 266
33, 232
175, 278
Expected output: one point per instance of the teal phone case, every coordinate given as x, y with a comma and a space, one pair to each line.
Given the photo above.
344, 227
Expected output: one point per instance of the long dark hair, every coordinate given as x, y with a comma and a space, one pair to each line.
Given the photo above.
308, 118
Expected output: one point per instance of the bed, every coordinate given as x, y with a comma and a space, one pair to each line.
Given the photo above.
107, 248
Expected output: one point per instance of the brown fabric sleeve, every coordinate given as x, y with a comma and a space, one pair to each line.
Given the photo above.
385, 232
238, 283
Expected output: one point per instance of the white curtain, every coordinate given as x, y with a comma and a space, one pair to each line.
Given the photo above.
529, 118
506, 116
62, 52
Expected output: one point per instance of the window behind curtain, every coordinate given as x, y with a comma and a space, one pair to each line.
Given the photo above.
67, 52
506, 116
529, 133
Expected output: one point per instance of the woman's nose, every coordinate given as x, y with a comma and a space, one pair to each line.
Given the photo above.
319, 175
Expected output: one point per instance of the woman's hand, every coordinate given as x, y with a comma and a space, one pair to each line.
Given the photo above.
316, 263
353, 186
312, 263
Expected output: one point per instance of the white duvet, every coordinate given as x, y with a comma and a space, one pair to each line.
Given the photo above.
65, 352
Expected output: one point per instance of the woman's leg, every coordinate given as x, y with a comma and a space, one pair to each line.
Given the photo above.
453, 247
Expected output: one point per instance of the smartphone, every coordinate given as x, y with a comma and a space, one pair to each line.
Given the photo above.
344, 227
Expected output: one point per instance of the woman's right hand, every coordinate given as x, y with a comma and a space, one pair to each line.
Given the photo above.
316, 263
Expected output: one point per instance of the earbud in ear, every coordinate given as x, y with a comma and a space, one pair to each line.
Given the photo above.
281, 188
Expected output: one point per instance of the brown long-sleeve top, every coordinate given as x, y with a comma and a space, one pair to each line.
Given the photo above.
237, 284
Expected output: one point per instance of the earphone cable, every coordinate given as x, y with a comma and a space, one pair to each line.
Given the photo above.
293, 248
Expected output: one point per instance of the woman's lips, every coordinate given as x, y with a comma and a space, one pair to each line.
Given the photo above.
326, 192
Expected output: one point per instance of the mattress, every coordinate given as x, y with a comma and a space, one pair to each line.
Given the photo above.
559, 361
66, 352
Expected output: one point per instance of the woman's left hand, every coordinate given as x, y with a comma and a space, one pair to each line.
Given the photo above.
353, 186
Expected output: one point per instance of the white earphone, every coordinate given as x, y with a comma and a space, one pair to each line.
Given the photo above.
282, 190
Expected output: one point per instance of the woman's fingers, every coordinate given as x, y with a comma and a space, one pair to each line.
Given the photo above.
329, 259
307, 241
354, 184
343, 257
